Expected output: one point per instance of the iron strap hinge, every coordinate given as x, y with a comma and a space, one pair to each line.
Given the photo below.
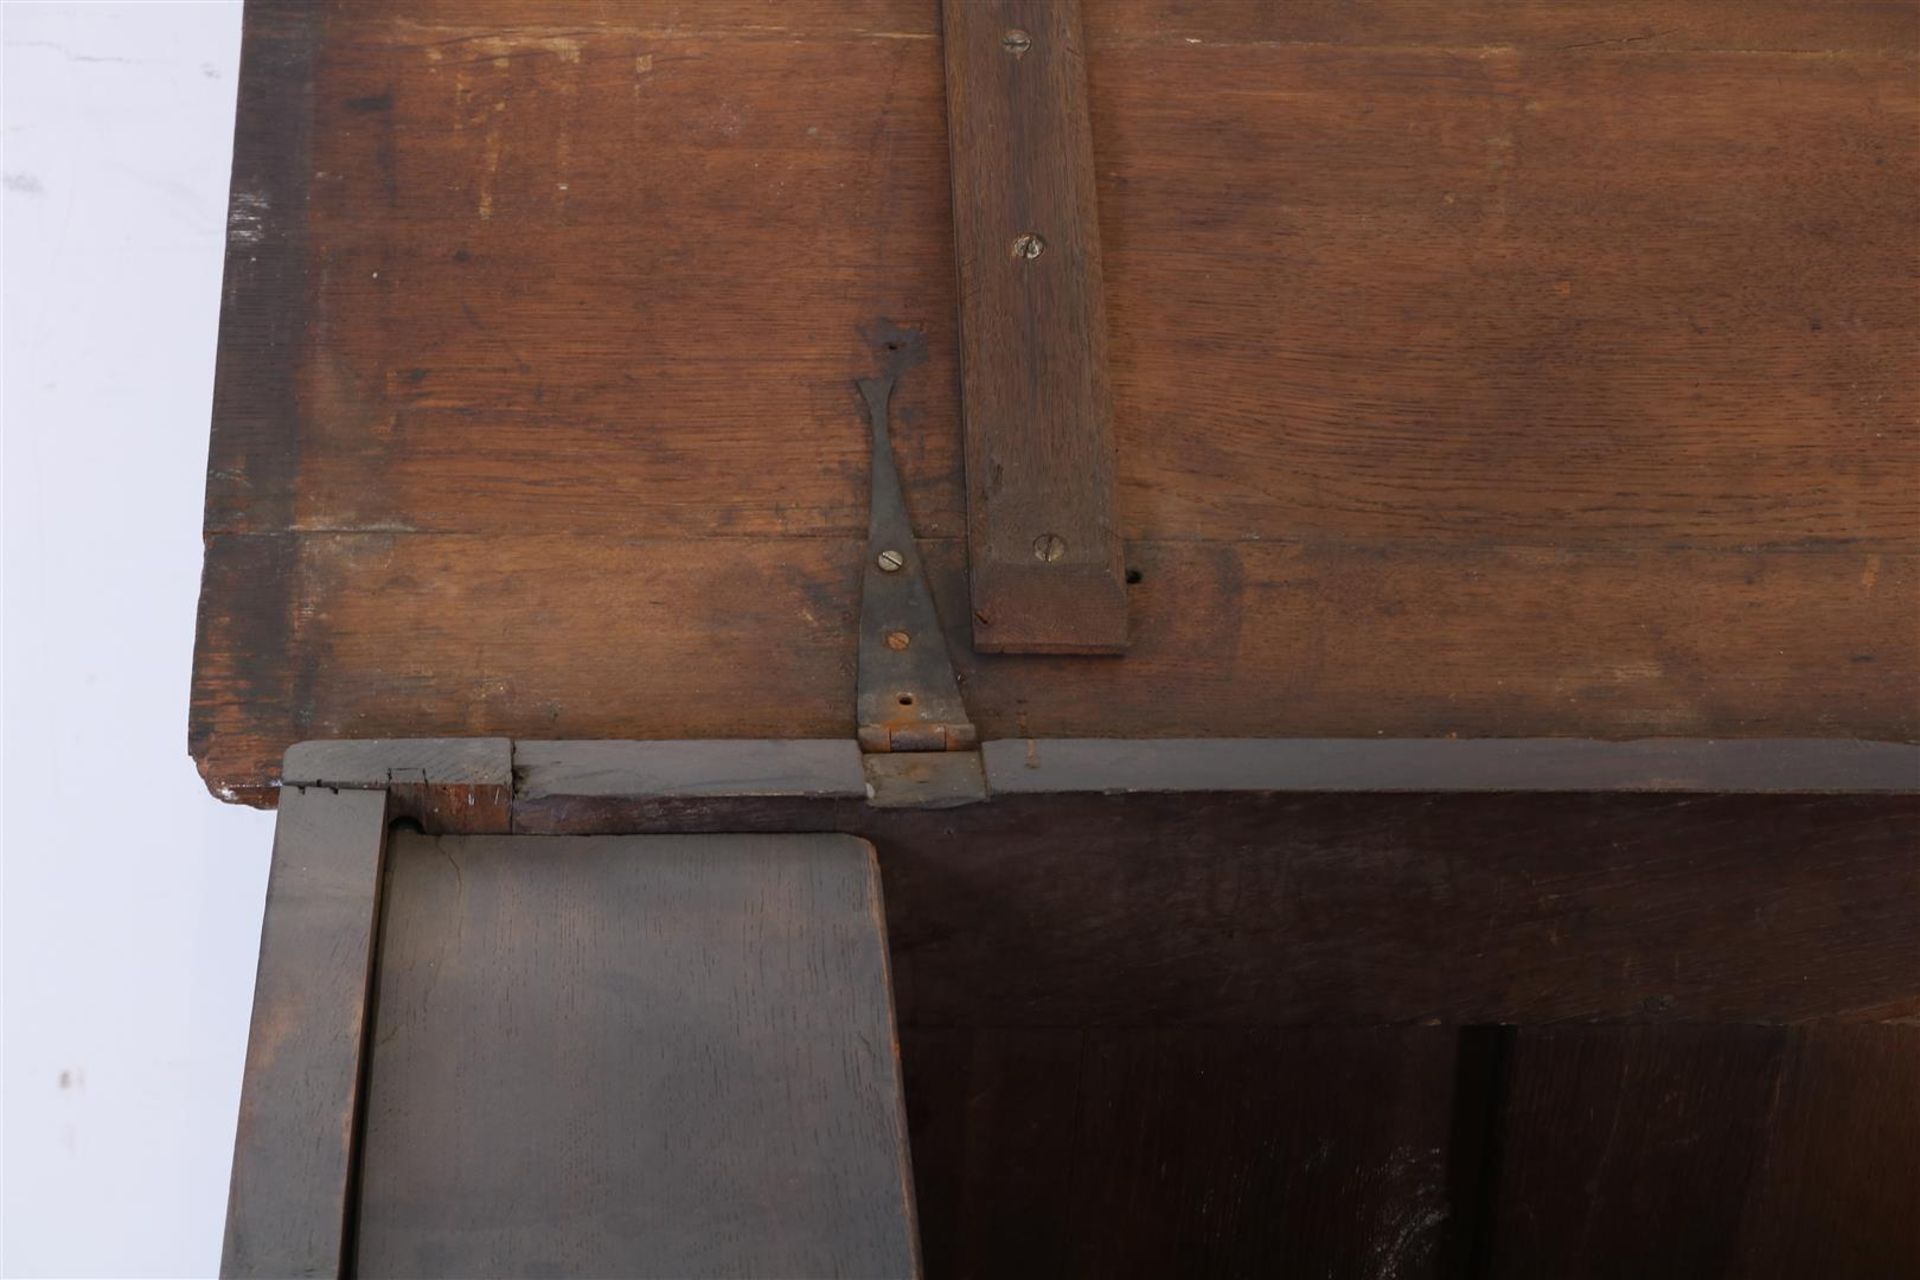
918, 746
909, 696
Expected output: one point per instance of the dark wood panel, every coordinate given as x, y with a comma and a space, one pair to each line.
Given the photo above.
634, 1057
1141, 1152
1269, 908
1835, 1192
1222, 1153
300, 1099
1053, 910
994, 1119
452, 636
1043, 536
1709, 1150
1632, 1150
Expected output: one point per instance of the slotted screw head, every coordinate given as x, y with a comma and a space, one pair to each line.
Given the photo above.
890, 561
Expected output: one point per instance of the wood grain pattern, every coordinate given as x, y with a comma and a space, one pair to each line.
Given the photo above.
1043, 537
1708, 1150
1634, 26
1197, 1152
1050, 911
1631, 1151
1834, 1192
682, 1049
993, 1115
1265, 909
300, 1101
453, 636
1572, 312
1216, 1171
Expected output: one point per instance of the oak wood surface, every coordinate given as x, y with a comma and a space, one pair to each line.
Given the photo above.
1043, 536
1230, 640
1480, 369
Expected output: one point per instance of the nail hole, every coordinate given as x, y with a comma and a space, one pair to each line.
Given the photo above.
893, 346
1133, 577
906, 699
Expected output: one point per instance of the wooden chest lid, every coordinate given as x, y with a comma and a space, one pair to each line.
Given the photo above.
1477, 370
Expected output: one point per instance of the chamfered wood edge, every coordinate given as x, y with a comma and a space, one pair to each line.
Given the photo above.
845, 914
1777, 766
264, 298
290, 1199
253, 450
477, 781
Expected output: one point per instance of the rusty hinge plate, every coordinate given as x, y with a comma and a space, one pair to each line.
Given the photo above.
909, 697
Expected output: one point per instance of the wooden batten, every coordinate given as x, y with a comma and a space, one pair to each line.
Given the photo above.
1043, 529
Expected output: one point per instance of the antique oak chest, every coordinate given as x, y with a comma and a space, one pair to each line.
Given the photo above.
1074, 637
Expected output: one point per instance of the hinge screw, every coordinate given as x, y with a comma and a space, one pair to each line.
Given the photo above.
898, 640
1028, 245
1016, 42
890, 561
1049, 547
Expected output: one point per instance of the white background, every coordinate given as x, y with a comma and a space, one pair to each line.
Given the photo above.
132, 898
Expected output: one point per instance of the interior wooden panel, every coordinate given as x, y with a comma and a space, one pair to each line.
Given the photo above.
1198, 908
1708, 1150
1631, 1150
1376, 909
1479, 369
1835, 1191
1213, 1152
1572, 1151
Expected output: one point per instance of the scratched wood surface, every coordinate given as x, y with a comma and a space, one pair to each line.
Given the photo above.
1158, 1152
1477, 368
1689, 1151
1366, 909
1043, 538
1420, 1151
